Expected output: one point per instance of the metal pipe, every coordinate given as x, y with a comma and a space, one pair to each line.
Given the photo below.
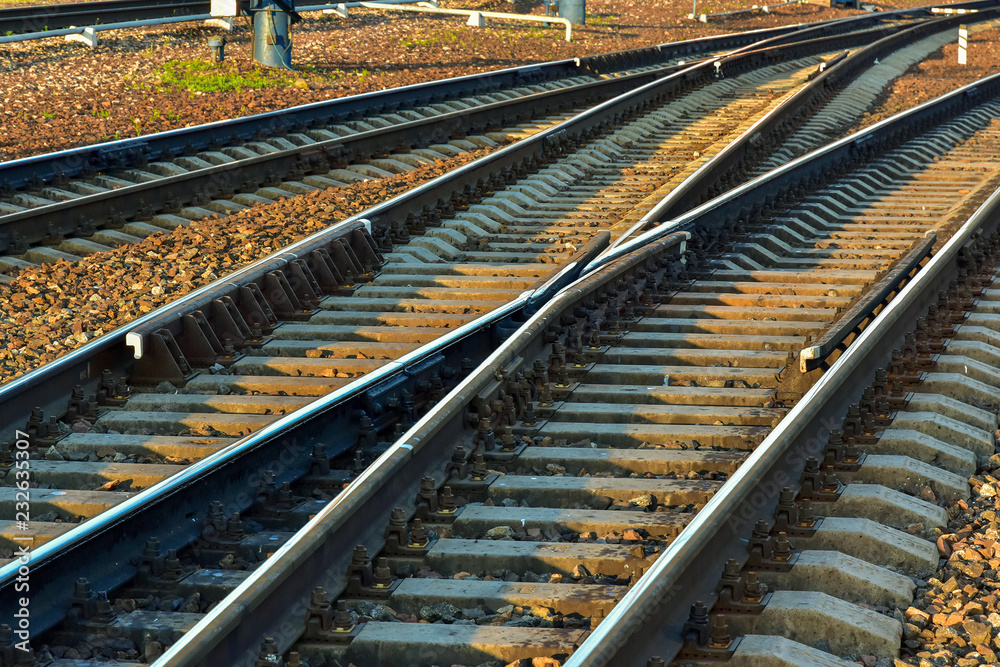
97, 28
218, 46
470, 13
763, 8
272, 40
122, 25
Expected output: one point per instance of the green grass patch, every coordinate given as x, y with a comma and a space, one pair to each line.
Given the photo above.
208, 77
603, 19
438, 39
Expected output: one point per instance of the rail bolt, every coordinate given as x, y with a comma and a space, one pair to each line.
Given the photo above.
172, 569
342, 620
418, 535
446, 504
383, 576
268, 653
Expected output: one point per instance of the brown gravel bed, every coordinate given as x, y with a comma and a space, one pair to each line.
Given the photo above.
57, 318
58, 307
954, 619
936, 75
58, 95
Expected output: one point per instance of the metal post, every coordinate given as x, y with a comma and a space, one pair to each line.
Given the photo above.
573, 10
218, 46
272, 42
963, 43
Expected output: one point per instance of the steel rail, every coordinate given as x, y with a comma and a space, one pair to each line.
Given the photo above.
36, 18
382, 217
864, 310
84, 365
272, 602
231, 631
123, 25
879, 17
646, 623
476, 13
20, 172
137, 21
112, 351
71, 162
749, 196
111, 543
315, 556
63, 218
775, 125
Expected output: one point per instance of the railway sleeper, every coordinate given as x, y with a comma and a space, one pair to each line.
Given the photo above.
948, 411
814, 616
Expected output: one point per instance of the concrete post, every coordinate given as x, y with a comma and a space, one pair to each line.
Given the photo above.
963, 43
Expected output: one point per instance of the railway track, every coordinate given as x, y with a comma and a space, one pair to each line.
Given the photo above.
77, 203
106, 469
38, 18
638, 424
316, 157
597, 350
405, 275
877, 510
491, 252
467, 265
830, 122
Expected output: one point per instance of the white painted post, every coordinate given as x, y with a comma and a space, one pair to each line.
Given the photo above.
963, 43
226, 23
88, 37
225, 8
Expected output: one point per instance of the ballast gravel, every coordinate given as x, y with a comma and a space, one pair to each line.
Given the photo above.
58, 307
58, 95
955, 618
